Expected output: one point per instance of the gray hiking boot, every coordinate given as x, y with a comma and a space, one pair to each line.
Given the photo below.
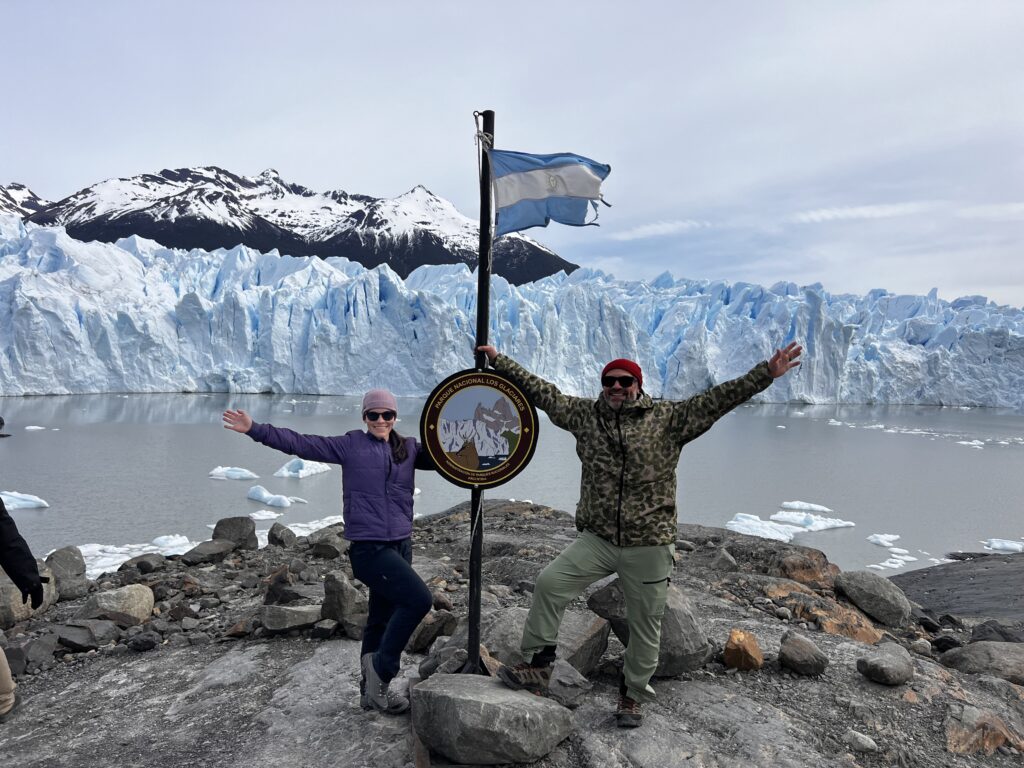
377, 695
526, 677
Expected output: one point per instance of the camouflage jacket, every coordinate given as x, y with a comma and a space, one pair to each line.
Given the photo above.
628, 487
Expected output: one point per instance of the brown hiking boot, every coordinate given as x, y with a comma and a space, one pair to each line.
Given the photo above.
525, 677
628, 714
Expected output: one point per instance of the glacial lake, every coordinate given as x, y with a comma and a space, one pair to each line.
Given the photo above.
122, 470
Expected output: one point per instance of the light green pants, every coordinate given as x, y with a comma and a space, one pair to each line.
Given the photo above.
643, 574
7, 685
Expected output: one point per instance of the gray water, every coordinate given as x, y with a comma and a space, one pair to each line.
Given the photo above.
124, 469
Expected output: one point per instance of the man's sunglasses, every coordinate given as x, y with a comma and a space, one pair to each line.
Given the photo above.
374, 415
624, 381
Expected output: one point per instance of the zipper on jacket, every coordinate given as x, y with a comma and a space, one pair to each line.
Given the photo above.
387, 491
622, 479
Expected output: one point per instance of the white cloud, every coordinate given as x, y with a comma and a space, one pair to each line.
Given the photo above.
997, 212
660, 229
850, 213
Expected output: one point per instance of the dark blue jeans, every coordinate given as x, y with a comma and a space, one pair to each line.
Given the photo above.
398, 600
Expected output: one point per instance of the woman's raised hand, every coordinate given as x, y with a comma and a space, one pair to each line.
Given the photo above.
239, 421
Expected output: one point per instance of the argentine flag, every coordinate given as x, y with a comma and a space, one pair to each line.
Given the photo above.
532, 190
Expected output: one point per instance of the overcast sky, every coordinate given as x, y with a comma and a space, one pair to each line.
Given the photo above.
855, 144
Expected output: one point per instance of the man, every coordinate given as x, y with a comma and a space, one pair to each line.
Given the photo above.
17, 561
629, 446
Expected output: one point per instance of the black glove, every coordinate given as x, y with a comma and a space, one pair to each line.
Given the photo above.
35, 592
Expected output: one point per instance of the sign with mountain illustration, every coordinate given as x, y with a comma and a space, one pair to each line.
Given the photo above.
479, 429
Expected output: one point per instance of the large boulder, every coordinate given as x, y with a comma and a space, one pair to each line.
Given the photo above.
240, 530
801, 655
478, 721
684, 647
878, 597
208, 552
12, 609
888, 664
582, 637
68, 568
1005, 660
281, 536
285, 618
135, 601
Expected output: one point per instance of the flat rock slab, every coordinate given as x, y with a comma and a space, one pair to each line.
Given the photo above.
477, 720
983, 587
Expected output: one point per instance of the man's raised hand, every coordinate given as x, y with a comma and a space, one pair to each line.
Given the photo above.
784, 359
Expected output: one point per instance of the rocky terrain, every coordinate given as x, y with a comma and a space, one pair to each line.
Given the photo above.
236, 656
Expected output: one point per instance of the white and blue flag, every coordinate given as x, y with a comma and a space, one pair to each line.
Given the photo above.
532, 190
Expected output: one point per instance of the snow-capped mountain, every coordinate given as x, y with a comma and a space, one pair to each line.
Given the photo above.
20, 200
209, 208
137, 317
455, 434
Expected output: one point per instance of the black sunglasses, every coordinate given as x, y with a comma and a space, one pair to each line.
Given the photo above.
624, 381
374, 415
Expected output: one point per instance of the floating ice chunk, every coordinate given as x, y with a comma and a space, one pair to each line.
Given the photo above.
15, 500
304, 529
752, 525
262, 495
834, 423
971, 443
899, 551
883, 539
779, 426
1003, 545
33, 428
906, 558
104, 558
265, 514
876, 566
809, 521
416, 491
302, 468
892, 562
232, 473
805, 507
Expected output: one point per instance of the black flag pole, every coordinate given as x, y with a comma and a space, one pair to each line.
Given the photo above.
483, 297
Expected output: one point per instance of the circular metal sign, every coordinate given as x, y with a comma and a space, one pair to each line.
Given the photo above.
479, 429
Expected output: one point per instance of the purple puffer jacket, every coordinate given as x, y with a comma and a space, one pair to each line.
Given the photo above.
376, 492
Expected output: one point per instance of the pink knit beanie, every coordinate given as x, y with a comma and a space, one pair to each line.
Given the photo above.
379, 398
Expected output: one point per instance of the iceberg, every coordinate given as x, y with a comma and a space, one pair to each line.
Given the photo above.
300, 468
232, 473
15, 500
135, 316
262, 495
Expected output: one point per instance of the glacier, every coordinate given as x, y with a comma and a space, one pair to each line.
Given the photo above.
134, 316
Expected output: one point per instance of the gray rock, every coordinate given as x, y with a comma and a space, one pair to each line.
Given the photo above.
325, 629
329, 547
567, 686
477, 720
87, 634
135, 601
921, 646
582, 637
68, 568
151, 561
12, 609
30, 653
1005, 660
723, 561
208, 552
433, 625
801, 655
281, 536
878, 597
239, 530
145, 641
344, 603
993, 630
684, 646
858, 742
888, 664
284, 618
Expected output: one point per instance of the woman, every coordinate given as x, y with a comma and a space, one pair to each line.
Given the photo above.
377, 488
